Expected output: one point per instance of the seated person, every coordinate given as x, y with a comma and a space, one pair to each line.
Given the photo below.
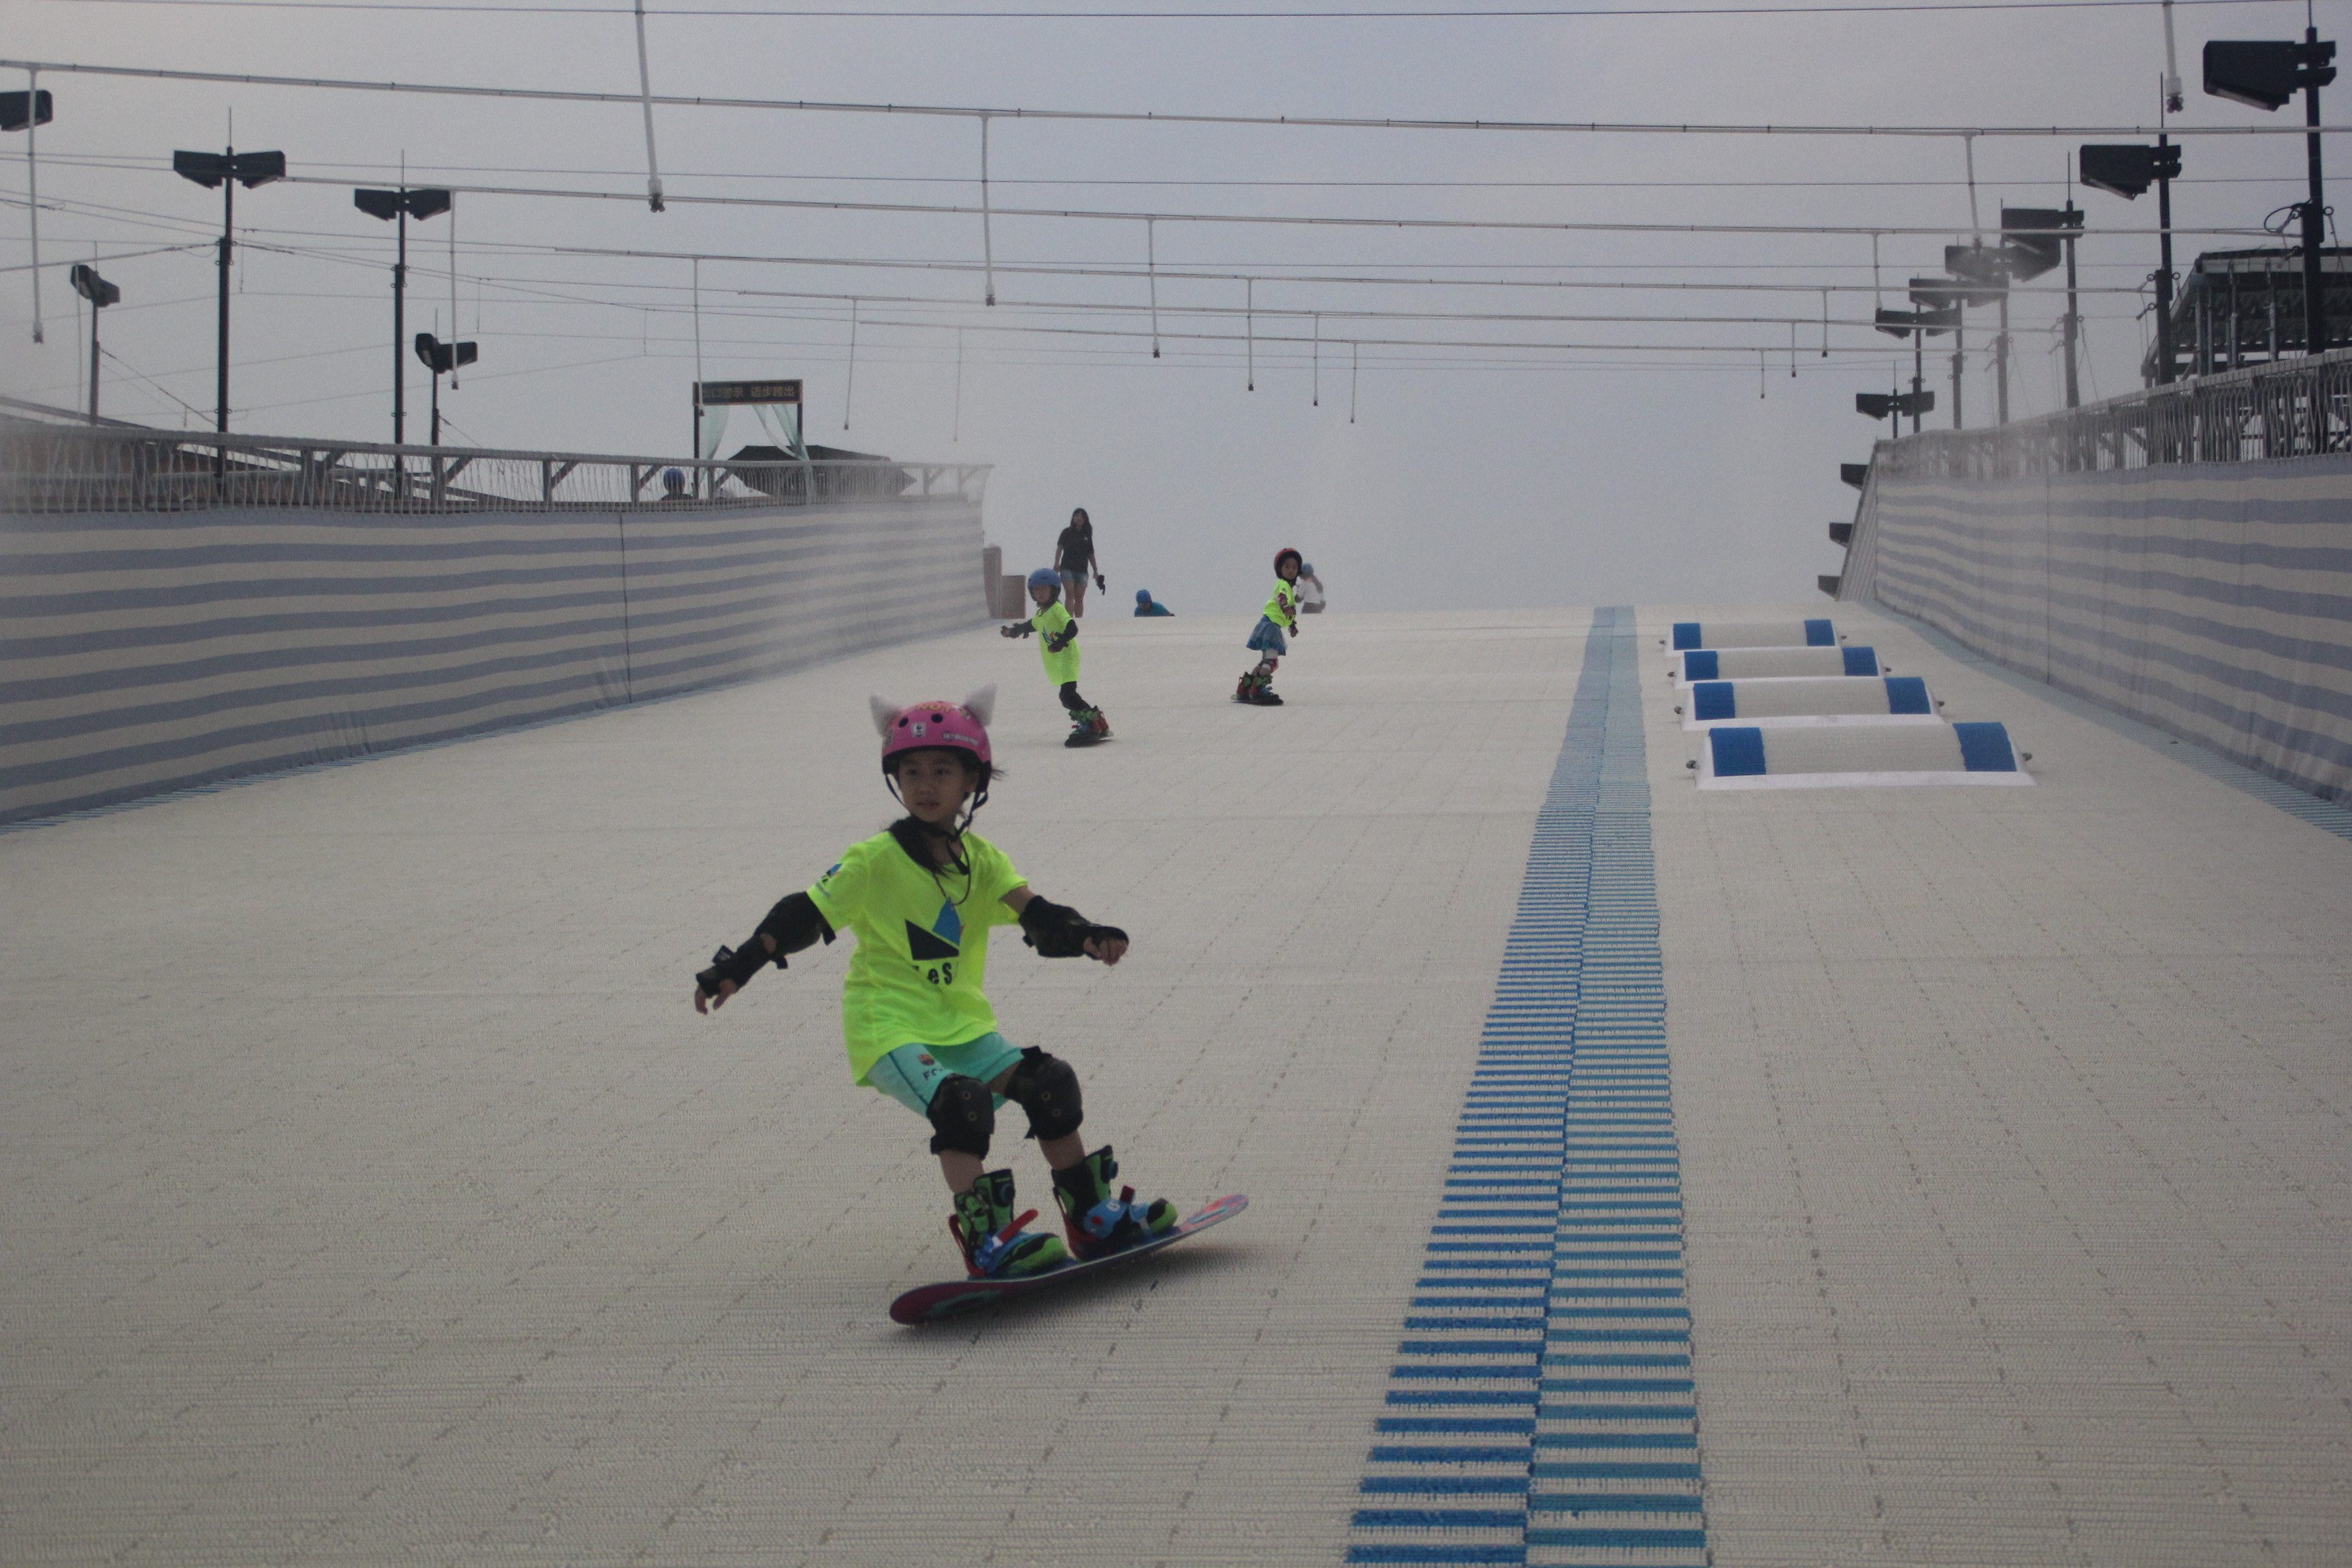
1147, 605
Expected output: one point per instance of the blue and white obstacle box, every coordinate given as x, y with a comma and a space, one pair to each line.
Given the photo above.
1749, 756
1789, 703
1773, 663
1754, 634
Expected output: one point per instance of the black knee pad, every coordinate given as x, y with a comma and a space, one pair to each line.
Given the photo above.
964, 1114
1047, 1089
1070, 698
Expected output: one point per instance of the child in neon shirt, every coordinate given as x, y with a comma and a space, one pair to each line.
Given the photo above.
920, 898
1058, 632
1281, 615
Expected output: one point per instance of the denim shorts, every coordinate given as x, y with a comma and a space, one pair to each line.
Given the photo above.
1073, 585
1268, 638
912, 1074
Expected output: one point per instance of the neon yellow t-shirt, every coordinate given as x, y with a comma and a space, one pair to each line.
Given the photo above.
922, 945
1282, 608
1051, 621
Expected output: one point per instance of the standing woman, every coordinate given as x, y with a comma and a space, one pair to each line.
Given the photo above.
1073, 559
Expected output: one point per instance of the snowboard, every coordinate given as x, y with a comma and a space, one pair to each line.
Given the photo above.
930, 1303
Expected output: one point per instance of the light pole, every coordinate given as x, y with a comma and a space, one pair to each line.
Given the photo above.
401, 204
24, 111
2266, 75
100, 294
227, 170
2126, 170
1936, 314
441, 359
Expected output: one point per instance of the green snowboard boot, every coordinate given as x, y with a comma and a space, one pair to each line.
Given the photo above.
1097, 1222
995, 1246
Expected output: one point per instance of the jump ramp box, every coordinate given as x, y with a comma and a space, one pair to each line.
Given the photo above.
1733, 757
1751, 663
1829, 699
1753, 634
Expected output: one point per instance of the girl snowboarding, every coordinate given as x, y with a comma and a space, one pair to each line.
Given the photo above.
1281, 615
1053, 623
922, 897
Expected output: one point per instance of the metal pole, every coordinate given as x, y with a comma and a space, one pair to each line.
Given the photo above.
2074, 322
987, 238
93, 361
1959, 343
400, 331
1919, 375
33, 185
2163, 269
228, 225
2000, 363
2315, 312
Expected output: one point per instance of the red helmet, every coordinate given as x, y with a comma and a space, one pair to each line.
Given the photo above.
953, 726
1293, 554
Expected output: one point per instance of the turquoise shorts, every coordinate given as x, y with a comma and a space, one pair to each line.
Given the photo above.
912, 1074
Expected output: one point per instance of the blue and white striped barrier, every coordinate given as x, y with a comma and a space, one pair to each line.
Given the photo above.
1817, 633
1791, 702
1750, 663
1733, 757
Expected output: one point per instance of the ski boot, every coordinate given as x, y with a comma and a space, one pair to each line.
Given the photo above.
1097, 1223
1259, 690
1090, 727
994, 1245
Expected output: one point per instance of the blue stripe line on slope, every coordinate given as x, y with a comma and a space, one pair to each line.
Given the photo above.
1564, 1132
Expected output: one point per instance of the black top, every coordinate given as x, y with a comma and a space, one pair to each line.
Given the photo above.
1075, 552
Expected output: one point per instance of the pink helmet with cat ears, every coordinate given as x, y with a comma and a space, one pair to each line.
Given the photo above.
954, 726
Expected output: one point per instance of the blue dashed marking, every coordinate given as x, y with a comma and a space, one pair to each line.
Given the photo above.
1557, 1249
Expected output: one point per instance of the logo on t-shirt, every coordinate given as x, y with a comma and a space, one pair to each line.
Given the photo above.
944, 939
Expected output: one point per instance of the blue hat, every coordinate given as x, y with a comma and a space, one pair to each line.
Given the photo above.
1143, 595
1046, 577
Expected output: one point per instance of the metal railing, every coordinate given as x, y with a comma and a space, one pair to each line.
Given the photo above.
58, 467
2297, 408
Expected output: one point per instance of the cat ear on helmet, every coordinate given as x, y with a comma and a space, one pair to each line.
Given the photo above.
982, 704
884, 712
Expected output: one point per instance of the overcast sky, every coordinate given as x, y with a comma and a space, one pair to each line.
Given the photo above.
1452, 477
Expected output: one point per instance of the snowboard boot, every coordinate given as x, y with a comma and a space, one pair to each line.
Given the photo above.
1244, 686
1091, 726
1099, 1222
994, 1245
1262, 693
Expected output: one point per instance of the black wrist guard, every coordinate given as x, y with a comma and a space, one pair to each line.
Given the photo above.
1019, 630
727, 965
1061, 639
1058, 931
793, 924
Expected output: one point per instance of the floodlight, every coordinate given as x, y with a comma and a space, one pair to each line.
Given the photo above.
2267, 75
442, 358
1873, 404
1926, 323
2034, 239
389, 204
92, 288
247, 169
1855, 474
22, 110
1841, 533
2126, 169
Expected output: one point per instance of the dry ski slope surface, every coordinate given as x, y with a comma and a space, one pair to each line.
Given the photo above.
373, 1194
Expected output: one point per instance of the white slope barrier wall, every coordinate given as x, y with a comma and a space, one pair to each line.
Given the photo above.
2213, 600
142, 652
